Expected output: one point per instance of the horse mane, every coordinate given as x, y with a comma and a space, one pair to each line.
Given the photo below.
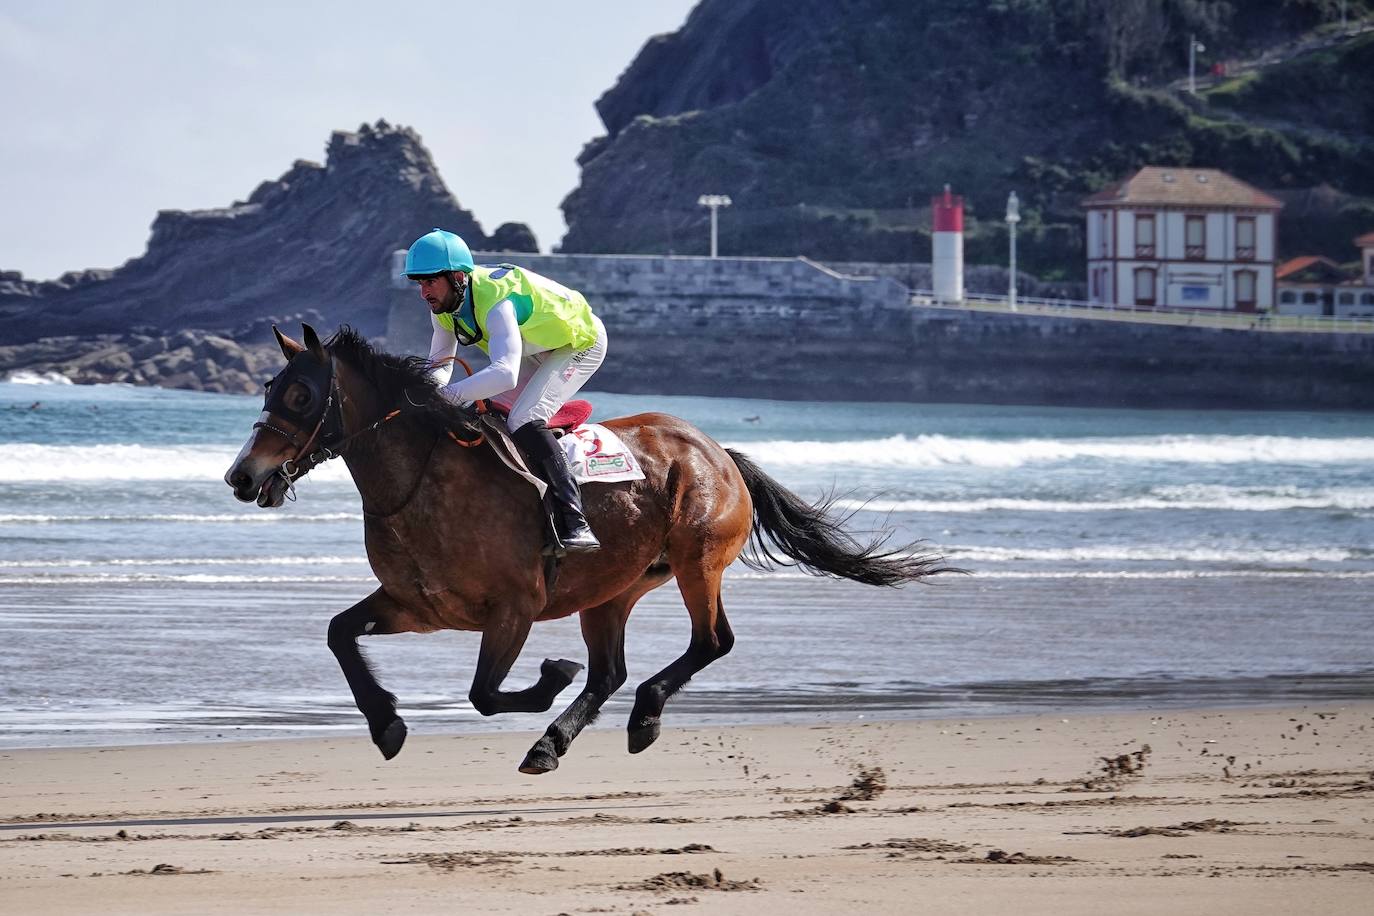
401, 381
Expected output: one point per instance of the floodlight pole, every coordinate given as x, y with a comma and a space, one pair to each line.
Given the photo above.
1194, 47
715, 202
1013, 217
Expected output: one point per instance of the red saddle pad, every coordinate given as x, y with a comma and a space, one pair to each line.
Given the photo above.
569, 416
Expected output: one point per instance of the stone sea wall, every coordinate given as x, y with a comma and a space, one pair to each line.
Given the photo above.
788, 328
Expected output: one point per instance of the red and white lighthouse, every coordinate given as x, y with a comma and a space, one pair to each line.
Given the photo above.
947, 242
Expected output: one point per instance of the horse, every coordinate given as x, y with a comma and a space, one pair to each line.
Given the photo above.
454, 537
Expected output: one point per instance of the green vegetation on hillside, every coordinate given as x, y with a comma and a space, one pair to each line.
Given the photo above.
851, 114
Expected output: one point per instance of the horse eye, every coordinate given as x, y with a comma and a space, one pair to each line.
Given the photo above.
299, 397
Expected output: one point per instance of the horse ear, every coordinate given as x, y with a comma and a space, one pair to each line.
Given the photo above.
289, 347
312, 343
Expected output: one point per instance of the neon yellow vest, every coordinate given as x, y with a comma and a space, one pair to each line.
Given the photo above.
549, 314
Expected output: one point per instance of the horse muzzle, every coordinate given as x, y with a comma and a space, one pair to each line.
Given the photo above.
267, 489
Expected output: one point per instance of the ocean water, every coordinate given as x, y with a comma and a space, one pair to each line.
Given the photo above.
1118, 559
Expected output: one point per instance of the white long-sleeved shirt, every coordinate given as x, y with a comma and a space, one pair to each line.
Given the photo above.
504, 346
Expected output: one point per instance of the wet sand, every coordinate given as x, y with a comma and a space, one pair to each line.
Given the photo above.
1218, 811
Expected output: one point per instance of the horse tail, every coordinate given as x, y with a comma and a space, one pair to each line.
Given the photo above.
811, 538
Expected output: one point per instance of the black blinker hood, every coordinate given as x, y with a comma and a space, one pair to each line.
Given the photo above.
314, 375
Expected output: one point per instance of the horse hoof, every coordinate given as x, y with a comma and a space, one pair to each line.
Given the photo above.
539, 761
390, 740
561, 671
643, 736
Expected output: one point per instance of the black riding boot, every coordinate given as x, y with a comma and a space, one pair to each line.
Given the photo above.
548, 461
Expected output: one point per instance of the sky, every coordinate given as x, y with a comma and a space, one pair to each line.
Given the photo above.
114, 110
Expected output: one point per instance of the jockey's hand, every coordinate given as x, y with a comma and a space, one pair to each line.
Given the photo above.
470, 412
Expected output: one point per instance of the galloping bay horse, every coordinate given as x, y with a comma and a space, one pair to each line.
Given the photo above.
454, 536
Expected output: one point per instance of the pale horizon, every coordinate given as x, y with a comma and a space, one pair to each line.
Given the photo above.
120, 112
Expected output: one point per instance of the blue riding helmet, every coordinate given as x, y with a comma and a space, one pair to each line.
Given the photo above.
436, 252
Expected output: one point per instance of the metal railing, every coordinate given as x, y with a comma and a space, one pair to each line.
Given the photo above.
1104, 311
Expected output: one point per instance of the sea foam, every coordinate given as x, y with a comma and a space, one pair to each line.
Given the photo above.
30, 463
936, 451
1191, 498
29, 377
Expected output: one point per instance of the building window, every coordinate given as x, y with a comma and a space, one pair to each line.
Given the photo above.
1309, 298
1195, 238
1144, 235
1145, 286
1346, 298
1245, 290
1288, 297
1245, 238
1367, 299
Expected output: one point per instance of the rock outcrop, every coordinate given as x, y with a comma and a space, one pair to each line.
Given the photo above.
319, 237
193, 360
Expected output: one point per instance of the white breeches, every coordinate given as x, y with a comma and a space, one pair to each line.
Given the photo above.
548, 380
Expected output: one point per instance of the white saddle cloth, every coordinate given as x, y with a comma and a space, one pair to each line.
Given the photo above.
595, 454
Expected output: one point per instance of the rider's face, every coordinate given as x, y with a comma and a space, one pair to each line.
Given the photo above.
439, 293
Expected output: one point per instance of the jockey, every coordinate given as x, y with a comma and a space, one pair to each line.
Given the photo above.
544, 343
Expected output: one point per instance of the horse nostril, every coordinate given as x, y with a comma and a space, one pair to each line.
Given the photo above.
240, 481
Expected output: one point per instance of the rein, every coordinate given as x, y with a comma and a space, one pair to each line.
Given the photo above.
332, 442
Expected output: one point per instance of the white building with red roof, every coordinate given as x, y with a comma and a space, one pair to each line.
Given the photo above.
1182, 238
1312, 285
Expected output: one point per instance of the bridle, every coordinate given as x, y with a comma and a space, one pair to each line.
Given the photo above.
326, 440
328, 433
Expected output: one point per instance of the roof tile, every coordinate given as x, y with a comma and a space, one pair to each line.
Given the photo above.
1183, 187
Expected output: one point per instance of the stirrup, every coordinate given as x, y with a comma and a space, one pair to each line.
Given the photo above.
583, 541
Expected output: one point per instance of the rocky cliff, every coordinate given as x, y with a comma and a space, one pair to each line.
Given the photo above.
830, 123
318, 238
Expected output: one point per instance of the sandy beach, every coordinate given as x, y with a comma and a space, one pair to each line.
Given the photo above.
1221, 811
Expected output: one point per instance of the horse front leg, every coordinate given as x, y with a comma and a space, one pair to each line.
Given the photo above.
603, 630
368, 617
502, 639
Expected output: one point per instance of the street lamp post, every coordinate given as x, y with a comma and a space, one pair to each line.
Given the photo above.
1013, 217
715, 202
1195, 48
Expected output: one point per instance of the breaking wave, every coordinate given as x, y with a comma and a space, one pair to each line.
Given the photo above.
1192, 497
936, 451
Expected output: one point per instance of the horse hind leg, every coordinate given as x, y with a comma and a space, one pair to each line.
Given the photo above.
603, 630
712, 638
368, 616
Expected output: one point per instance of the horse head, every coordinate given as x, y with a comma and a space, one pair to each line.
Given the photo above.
296, 407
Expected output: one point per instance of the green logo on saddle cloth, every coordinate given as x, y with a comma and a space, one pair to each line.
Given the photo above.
606, 464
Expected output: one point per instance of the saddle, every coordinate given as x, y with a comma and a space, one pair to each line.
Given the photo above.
570, 416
